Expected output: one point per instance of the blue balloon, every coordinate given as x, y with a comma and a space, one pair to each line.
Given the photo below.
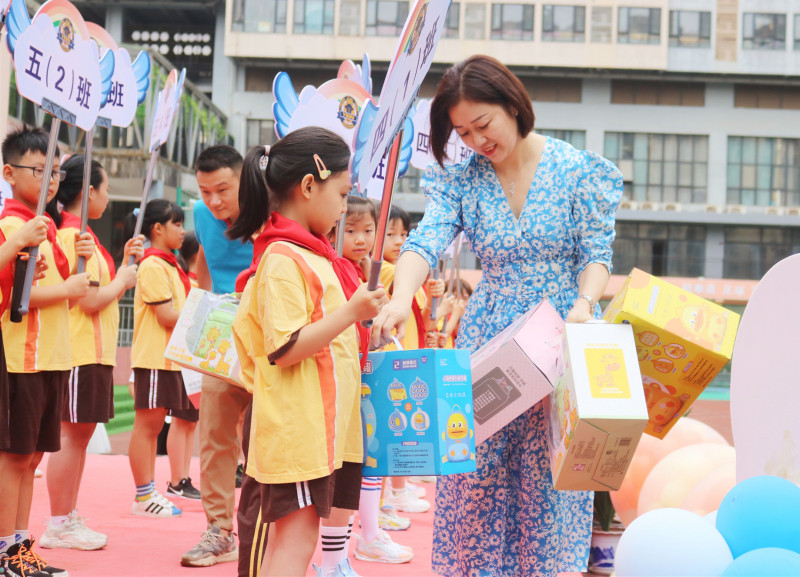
761, 512
768, 562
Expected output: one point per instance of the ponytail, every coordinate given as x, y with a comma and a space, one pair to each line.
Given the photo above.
254, 209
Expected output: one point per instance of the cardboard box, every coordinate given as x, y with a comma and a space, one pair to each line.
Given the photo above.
682, 342
597, 412
417, 411
203, 338
516, 369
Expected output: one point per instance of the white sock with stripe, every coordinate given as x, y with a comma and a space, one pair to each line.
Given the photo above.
369, 506
334, 547
6, 542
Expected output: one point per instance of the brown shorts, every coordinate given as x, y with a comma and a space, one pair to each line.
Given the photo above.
5, 417
341, 489
89, 395
34, 412
156, 388
191, 414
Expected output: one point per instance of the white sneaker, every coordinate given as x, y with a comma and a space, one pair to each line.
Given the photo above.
403, 500
382, 550
73, 534
157, 505
389, 520
416, 490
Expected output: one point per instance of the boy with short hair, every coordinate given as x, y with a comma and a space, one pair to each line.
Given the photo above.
38, 360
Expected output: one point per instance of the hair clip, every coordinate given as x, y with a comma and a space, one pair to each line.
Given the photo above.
323, 172
264, 160
136, 212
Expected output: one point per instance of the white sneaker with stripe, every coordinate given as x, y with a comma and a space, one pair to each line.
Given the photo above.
156, 505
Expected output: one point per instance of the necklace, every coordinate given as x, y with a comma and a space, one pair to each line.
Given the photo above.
511, 188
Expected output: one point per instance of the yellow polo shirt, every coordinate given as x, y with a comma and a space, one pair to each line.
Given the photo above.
157, 282
306, 417
93, 336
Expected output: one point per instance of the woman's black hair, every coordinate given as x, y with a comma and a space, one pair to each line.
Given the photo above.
190, 246
72, 186
289, 160
397, 213
157, 211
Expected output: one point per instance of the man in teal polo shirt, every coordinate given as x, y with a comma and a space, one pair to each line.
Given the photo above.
222, 404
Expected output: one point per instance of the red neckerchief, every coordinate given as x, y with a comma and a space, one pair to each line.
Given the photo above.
359, 271
420, 322
170, 259
192, 275
69, 220
259, 246
280, 228
16, 208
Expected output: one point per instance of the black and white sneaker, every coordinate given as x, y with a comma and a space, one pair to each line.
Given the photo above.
22, 561
184, 489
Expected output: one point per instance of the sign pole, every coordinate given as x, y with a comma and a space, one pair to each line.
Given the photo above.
145, 193
87, 175
23, 274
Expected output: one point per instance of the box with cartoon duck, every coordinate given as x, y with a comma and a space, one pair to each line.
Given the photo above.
682, 342
597, 412
418, 413
203, 338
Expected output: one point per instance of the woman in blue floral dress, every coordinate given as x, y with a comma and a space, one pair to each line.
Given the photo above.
540, 216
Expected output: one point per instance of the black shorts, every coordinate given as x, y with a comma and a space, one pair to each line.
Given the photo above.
89, 395
341, 489
34, 408
191, 414
157, 388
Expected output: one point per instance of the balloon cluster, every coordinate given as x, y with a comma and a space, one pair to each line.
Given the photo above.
755, 533
692, 468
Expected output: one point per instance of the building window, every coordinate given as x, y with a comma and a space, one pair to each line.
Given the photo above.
639, 26
690, 29
796, 31
576, 138
264, 16
260, 132
386, 17
512, 22
451, 21
563, 23
350, 18
751, 251
660, 167
661, 249
474, 21
763, 171
313, 17
755, 96
764, 31
601, 24
549, 89
658, 93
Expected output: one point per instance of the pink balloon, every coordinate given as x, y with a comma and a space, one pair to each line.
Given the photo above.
707, 494
650, 451
675, 475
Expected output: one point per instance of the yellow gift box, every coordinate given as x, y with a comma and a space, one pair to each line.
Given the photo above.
682, 342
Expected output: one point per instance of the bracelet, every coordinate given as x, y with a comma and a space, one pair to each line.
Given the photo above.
588, 298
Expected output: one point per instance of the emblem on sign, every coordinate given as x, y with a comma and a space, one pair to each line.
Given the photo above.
417, 32
66, 35
348, 112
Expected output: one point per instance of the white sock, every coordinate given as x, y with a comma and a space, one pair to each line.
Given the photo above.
369, 506
20, 535
58, 520
334, 547
6, 542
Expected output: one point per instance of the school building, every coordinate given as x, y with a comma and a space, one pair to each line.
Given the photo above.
697, 102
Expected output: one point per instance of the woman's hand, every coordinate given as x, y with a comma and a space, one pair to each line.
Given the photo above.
392, 317
581, 312
134, 247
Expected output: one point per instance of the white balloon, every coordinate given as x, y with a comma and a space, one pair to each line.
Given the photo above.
671, 543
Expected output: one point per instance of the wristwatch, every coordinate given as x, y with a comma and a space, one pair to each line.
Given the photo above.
590, 299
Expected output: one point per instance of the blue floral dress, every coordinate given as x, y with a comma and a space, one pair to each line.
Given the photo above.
506, 519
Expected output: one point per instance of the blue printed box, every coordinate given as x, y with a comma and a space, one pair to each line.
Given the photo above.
417, 410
